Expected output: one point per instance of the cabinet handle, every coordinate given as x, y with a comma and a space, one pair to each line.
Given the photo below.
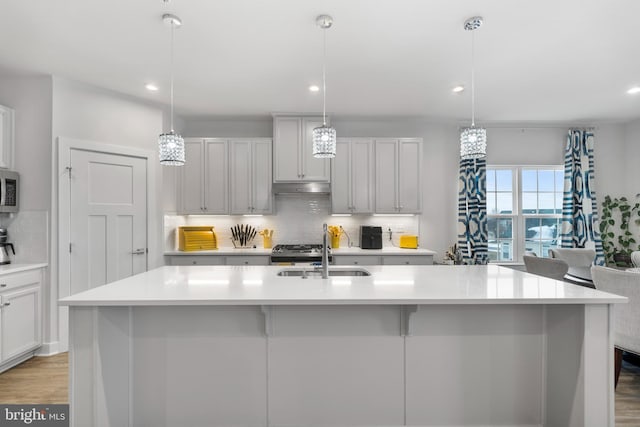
6, 304
406, 262
140, 251
355, 262
3, 285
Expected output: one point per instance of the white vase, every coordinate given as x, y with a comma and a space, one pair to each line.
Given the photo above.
635, 258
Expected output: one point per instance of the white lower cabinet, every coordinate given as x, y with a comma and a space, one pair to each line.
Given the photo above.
218, 260
20, 316
383, 260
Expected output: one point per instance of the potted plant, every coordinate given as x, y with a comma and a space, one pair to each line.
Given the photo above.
619, 238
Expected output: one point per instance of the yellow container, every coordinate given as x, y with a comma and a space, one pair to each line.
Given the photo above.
335, 242
267, 242
197, 238
409, 242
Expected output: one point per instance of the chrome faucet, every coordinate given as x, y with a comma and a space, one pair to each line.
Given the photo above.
325, 252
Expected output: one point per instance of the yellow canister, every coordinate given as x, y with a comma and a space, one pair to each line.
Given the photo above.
409, 241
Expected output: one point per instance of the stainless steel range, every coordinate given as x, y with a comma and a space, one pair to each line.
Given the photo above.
298, 254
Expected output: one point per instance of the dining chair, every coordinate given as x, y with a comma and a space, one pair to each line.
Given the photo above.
547, 267
626, 316
579, 260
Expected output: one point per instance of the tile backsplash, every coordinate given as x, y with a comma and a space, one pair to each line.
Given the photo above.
28, 231
298, 218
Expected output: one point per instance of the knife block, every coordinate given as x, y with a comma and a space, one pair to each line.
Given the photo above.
237, 245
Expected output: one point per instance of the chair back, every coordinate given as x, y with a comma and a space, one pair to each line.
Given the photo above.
547, 267
627, 316
580, 260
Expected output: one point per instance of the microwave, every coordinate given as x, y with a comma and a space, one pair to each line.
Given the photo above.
9, 182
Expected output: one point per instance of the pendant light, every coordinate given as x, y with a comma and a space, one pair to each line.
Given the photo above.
170, 144
473, 140
324, 137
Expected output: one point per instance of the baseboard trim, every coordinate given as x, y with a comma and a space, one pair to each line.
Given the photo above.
49, 349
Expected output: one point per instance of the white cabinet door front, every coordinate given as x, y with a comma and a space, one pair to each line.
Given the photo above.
341, 178
361, 161
21, 321
216, 177
286, 146
409, 185
241, 177
262, 179
386, 175
191, 192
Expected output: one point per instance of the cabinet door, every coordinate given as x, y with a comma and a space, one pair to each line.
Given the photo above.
191, 191
312, 169
21, 321
216, 177
356, 260
248, 260
341, 178
361, 164
386, 154
241, 177
261, 180
409, 182
287, 133
196, 260
407, 260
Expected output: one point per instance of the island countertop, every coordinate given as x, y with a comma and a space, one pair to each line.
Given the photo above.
261, 285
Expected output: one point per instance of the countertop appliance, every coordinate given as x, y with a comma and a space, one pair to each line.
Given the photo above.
5, 257
305, 254
370, 237
9, 181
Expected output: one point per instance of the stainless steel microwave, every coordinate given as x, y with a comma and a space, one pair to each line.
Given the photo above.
9, 182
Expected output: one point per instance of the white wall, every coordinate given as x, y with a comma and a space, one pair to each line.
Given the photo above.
85, 112
632, 157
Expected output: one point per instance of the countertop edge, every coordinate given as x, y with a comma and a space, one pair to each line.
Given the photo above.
17, 268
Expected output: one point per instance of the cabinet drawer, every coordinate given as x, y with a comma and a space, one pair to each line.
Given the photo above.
356, 260
196, 260
407, 260
248, 260
16, 280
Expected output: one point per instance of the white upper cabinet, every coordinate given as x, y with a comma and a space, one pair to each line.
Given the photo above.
293, 159
352, 176
398, 184
204, 177
6, 137
250, 176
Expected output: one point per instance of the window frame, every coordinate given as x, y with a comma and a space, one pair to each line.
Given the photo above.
517, 216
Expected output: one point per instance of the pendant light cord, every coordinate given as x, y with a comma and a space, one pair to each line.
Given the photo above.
324, 77
473, 80
173, 26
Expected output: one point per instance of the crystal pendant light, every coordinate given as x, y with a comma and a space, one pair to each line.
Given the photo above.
473, 140
170, 144
324, 137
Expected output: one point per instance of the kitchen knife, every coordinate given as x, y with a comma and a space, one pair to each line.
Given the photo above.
233, 234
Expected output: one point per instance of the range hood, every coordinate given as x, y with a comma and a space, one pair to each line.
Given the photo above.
301, 187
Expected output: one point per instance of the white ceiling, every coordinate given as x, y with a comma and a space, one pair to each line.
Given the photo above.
536, 60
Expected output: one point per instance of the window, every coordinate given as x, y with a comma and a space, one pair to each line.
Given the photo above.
524, 210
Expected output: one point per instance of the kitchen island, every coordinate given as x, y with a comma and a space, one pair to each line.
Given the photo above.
410, 345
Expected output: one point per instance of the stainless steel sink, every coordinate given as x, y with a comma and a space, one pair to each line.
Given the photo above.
318, 273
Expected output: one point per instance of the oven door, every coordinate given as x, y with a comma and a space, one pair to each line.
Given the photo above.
294, 260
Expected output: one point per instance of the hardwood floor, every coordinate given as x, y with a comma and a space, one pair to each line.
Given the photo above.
38, 380
45, 380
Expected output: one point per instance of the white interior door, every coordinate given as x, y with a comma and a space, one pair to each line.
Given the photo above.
108, 218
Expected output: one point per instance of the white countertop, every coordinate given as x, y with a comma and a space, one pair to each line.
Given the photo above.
16, 268
339, 251
260, 285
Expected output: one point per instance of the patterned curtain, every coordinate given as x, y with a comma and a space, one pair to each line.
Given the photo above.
472, 211
579, 206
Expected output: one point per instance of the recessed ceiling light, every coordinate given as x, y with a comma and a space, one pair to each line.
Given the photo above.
314, 88
151, 87
457, 89
634, 90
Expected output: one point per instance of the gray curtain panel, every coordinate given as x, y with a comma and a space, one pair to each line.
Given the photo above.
579, 205
472, 211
